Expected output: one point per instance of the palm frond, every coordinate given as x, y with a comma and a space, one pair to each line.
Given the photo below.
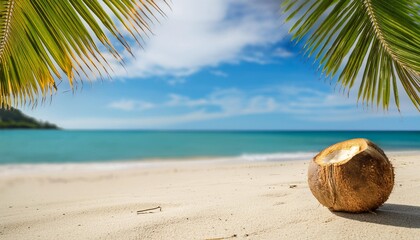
375, 39
42, 42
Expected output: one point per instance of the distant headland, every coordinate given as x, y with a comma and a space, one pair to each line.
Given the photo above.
15, 119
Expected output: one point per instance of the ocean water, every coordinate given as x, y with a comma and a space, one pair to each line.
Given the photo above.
50, 146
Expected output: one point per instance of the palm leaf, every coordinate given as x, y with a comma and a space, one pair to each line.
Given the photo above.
43, 42
376, 40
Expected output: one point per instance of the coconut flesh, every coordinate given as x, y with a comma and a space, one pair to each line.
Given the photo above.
341, 155
351, 176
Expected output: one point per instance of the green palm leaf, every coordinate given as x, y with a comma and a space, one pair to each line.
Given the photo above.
375, 39
44, 41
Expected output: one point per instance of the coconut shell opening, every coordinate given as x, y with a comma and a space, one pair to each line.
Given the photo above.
341, 152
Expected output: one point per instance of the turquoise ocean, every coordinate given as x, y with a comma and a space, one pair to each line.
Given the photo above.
51, 146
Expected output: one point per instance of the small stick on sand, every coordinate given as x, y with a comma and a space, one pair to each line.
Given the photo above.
145, 211
221, 238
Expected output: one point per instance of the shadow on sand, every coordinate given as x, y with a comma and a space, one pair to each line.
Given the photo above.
389, 214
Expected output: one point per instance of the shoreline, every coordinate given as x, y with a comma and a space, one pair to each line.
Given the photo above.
15, 169
19, 169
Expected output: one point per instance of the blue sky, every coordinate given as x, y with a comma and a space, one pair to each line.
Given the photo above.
218, 64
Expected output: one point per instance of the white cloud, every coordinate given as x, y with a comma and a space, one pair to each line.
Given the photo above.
219, 73
131, 105
205, 33
283, 53
176, 100
298, 103
230, 102
176, 81
144, 122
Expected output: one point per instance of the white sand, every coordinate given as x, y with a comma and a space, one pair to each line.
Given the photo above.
206, 200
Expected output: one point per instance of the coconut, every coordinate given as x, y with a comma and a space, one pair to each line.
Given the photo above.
351, 176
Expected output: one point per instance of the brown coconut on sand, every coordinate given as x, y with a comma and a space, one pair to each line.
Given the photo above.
351, 176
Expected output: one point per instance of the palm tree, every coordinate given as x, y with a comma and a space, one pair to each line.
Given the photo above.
43, 40
374, 42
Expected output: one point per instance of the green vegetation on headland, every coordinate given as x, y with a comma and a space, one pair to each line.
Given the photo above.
15, 119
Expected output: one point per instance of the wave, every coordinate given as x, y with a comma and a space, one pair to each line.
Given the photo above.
278, 156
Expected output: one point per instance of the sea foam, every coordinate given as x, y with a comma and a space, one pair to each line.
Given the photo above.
278, 156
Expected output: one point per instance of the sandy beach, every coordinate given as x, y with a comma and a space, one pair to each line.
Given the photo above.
196, 200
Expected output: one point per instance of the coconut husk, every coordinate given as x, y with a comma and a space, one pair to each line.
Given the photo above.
351, 176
